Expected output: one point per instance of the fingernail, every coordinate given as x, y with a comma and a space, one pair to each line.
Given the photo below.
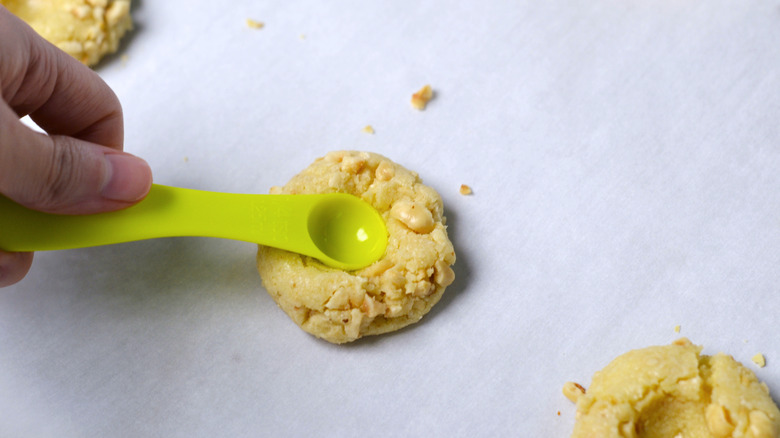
128, 178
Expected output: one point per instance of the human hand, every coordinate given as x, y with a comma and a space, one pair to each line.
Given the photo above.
79, 167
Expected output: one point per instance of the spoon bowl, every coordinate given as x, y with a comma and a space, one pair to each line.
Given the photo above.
339, 229
346, 231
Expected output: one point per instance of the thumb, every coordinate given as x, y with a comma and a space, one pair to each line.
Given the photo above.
14, 266
60, 174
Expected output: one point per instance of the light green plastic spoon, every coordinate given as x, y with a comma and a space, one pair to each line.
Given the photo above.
339, 229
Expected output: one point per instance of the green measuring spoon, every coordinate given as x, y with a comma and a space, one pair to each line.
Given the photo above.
339, 229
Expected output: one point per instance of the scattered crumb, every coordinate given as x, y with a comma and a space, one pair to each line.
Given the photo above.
559, 413
253, 24
573, 391
369, 129
421, 98
186, 159
124, 59
302, 36
677, 329
465, 190
759, 360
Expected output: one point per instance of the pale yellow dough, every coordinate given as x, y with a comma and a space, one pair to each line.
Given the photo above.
85, 29
673, 391
340, 306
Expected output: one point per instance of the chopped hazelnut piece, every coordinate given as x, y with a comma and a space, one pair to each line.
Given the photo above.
573, 391
421, 98
465, 190
253, 24
682, 342
415, 216
718, 420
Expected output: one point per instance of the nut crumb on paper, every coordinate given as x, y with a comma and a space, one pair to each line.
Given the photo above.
421, 98
759, 360
254, 24
677, 329
465, 190
573, 391
369, 129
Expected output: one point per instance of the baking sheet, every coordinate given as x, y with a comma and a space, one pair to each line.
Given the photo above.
625, 162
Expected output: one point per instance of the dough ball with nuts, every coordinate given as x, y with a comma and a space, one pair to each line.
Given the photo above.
85, 29
671, 391
397, 290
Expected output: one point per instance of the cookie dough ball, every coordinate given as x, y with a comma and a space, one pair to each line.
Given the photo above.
398, 289
85, 29
673, 391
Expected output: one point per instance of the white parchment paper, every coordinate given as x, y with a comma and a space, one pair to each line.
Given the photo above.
625, 162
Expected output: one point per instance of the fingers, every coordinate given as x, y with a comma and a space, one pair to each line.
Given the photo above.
60, 94
59, 174
14, 266
93, 114
79, 167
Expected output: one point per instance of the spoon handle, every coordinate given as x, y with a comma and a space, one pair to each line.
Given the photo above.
166, 212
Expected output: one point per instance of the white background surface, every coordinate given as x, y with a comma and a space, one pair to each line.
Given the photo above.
625, 160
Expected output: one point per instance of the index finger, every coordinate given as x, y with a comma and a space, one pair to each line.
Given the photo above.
60, 94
